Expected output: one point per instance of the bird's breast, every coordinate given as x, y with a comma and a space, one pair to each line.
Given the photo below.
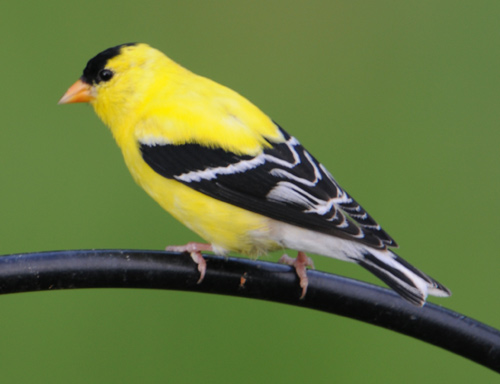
226, 227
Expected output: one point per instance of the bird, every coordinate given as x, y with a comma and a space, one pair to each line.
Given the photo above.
230, 173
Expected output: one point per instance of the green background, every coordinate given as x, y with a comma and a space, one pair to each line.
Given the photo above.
399, 99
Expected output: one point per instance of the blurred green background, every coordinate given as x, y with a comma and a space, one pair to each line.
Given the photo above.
400, 100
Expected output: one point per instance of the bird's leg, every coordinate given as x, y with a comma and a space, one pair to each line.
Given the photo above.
194, 250
299, 263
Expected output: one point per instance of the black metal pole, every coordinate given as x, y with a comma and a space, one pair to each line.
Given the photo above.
252, 279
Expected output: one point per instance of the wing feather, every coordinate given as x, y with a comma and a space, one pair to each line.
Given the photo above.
284, 182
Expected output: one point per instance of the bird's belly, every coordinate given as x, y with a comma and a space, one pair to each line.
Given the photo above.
226, 227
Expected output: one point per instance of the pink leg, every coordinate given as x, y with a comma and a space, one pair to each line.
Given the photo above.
194, 250
299, 263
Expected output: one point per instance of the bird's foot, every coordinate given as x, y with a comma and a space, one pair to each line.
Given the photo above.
300, 263
194, 250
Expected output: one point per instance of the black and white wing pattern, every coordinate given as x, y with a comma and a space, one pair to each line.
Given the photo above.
285, 182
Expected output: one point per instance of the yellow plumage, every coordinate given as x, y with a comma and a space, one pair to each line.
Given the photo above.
159, 101
157, 98
222, 167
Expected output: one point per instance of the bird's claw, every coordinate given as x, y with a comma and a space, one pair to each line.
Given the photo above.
300, 263
194, 250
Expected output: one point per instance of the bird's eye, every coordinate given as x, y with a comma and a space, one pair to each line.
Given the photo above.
105, 75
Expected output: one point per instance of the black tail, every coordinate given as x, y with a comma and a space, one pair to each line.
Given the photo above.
412, 284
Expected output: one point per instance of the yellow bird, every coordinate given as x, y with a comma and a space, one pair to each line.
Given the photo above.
222, 167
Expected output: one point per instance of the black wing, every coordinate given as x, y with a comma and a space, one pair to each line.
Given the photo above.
284, 182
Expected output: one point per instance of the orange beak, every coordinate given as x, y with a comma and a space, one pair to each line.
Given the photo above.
79, 92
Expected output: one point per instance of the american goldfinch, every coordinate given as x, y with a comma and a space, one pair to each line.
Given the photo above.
227, 171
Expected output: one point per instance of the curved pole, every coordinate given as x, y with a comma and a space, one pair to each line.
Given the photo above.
251, 279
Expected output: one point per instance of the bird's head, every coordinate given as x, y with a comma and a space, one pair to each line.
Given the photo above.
118, 80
